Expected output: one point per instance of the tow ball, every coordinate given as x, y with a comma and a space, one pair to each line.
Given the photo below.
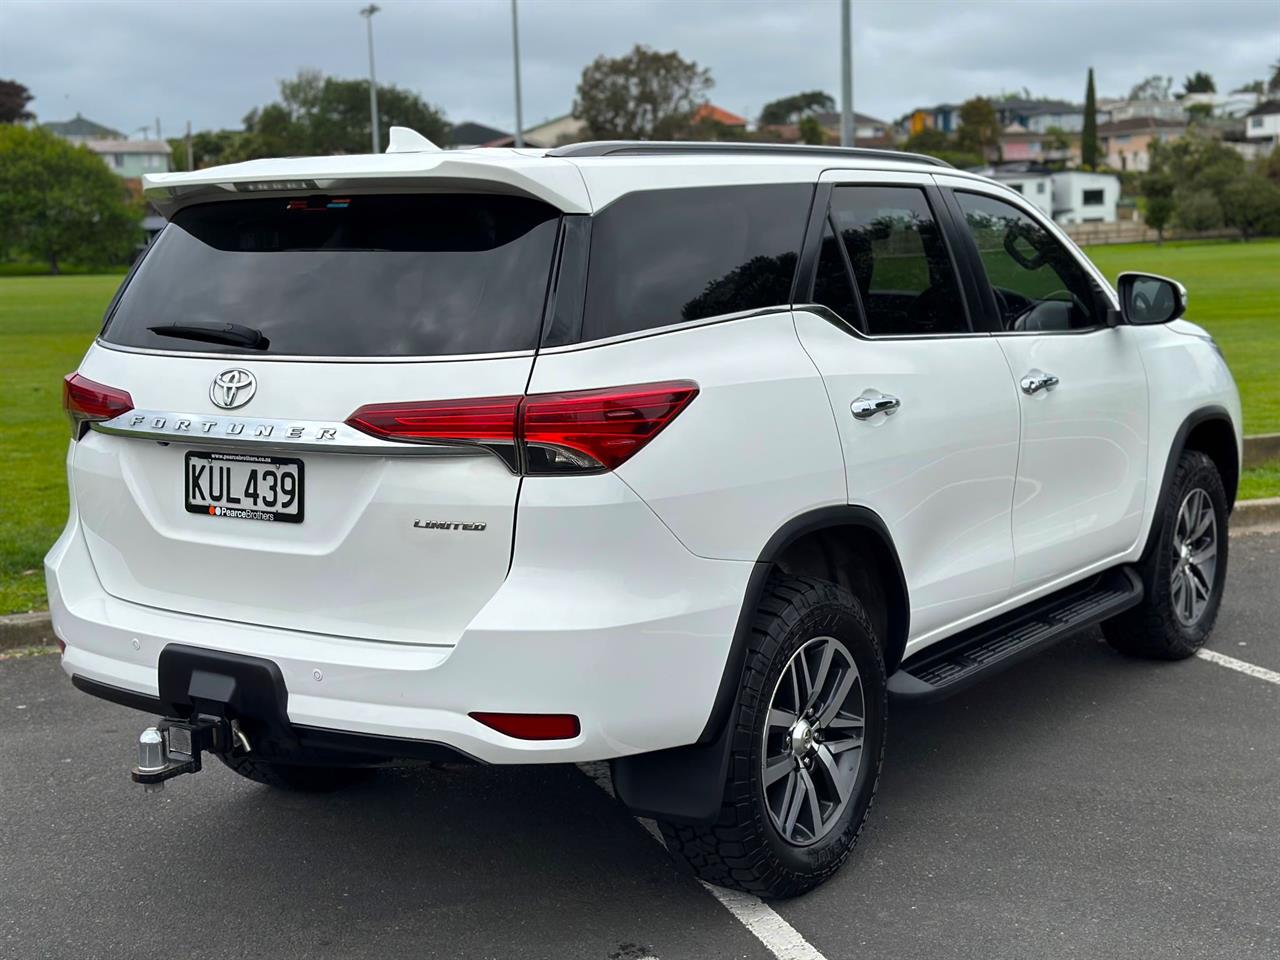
174, 746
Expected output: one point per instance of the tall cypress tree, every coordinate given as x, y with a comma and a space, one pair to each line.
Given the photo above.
1089, 138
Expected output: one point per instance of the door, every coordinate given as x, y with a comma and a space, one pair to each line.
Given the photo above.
1082, 390
926, 413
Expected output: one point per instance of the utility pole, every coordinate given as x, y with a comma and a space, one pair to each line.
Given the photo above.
190, 159
159, 135
515, 54
367, 13
846, 76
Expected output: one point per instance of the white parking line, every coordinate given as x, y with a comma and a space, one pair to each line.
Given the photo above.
1231, 663
779, 937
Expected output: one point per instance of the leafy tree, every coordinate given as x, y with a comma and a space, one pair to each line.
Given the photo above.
928, 140
14, 98
1198, 210
1157, 191
811, 131
59, 202
1273, 85
1197, 112
318, 115
1197, 162
1199, 82
795, 108
1251, 204
643, 95
1089, 150
979, 129
1269, 166
1154, 87
1253, 86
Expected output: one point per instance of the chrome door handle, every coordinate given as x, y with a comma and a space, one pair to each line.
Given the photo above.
1037, 380
871, 402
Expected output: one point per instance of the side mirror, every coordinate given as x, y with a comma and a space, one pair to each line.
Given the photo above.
1146, 298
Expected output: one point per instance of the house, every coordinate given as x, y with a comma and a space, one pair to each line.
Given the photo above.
1126, 144
557, 131
1080, 197
867, 131
468, 134
132, 158
80, 129
1262, 124
944, 117
710, 113
1117, 110
1032, 181
1222, 104
1020, 144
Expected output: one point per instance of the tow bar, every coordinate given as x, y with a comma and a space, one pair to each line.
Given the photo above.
173, 747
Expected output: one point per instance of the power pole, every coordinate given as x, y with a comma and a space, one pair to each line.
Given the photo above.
190, 159
515, 53
367, 13
846, 76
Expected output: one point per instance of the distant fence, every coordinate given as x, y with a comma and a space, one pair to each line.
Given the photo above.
1129, 231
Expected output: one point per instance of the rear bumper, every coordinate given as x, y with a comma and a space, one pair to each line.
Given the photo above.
604, 614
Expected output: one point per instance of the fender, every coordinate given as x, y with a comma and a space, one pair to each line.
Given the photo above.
1179, 444
686, 784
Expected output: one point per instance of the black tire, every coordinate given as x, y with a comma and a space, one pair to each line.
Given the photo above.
1153, 629
298, 777
744, 849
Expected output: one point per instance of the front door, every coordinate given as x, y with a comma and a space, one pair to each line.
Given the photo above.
1083, 394
926, 412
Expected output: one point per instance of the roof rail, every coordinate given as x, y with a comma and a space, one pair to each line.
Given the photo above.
634, 148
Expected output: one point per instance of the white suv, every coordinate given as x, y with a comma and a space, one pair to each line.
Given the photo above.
685, 456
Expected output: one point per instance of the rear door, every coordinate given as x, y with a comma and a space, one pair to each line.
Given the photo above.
925, 409
251, 333
1082, 389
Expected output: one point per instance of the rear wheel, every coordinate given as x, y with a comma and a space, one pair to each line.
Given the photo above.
1185, 571
807, 746
301, 777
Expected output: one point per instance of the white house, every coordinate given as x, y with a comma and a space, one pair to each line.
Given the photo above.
1262, 123
1035, 185
1080, 197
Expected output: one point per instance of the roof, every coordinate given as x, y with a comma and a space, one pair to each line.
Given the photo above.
709, 111
471, 134
1267, 106
832, 119
79, 126
1133, 124
129, 146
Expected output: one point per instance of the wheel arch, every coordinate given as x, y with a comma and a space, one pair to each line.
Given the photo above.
1211, 431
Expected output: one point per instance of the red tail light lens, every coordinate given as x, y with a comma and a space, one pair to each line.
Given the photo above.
589, 429
575, 432
85, 401
532, 726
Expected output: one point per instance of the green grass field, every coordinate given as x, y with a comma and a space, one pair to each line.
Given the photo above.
46, 323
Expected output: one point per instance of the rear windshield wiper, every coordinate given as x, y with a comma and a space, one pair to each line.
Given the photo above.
232, 334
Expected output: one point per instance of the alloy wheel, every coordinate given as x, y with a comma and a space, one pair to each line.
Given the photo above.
1195, 557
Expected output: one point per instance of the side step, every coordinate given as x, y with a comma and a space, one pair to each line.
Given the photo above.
990, 647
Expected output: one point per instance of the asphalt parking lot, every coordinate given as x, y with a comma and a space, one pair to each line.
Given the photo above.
1079, 805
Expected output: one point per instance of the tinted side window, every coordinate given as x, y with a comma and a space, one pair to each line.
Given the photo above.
905, 278
660, 257
1039, 286
831, 285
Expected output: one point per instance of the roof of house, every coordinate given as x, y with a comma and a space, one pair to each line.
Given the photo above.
128, 146
832, 119
79, 126
709, 111
472, 134
1132, 124
1267, 106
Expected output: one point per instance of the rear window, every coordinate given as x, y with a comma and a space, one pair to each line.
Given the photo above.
360, 276
660, 257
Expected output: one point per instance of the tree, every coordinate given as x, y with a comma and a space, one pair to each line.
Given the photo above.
1157, 192
1273, 85
14, 98
1251, 204
811, 131
644, 95
979, 129
795, 108
1198, 209
1253, 86
1056, 140
59, 202
1199, 82
1089, 135
318, 115
1154, 87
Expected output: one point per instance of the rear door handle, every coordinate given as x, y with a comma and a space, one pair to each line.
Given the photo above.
871, 402
1037, 380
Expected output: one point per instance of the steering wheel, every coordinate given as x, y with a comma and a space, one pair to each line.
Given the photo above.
1053, 296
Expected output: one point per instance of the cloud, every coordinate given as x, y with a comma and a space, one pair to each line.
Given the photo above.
210, 61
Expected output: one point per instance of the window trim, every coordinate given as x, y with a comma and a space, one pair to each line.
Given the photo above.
987, 294
821, 213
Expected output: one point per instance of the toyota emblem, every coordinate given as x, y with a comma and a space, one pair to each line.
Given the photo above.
233, 388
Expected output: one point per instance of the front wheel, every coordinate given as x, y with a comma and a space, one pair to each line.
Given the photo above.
1185, 571
807, 746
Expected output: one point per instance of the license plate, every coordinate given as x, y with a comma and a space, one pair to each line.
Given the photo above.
244, 486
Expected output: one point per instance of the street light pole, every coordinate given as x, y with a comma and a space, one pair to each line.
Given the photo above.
367, 13
515, 53
846, 77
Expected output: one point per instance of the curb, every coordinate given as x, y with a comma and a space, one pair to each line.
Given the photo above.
36, 629
1261, 448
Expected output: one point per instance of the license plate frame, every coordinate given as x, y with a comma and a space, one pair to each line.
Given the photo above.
235, 506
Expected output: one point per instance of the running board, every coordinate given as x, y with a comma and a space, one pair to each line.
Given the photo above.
988, 648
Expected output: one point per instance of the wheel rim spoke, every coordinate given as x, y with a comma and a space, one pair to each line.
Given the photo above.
1195, 549
833, 705
778, 768
781, 718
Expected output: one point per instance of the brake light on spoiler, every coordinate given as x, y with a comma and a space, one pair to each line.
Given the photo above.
549, 433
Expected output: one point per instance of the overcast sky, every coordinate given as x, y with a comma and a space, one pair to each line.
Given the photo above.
209, 61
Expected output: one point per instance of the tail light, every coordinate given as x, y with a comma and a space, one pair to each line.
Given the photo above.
532, 726
86, 401
549, 433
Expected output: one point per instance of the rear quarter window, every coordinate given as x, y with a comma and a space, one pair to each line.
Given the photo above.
661, 257
417, 275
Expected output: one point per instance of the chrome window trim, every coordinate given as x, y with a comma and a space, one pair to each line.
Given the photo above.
823, 312
781, 308
306, 358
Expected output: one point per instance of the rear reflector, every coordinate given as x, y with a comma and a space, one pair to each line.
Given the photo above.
85, 401
582, 431
532, 726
